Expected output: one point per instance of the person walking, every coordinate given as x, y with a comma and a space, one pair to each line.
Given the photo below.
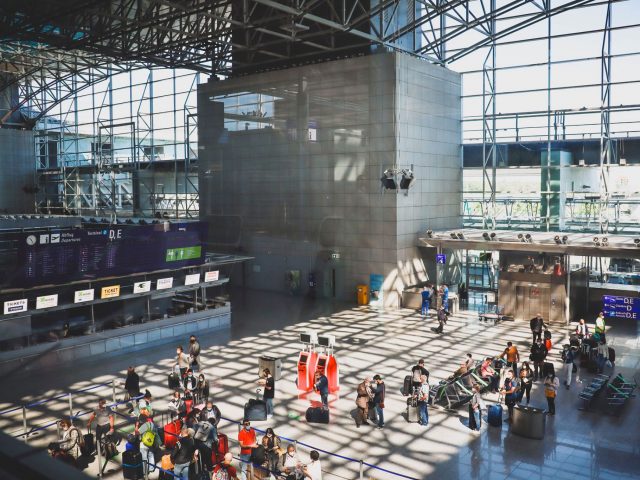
526, 381
551, 385
442, 320
194, 353
423, 400
537, 325
321, 385
426, 299
269, 391
445, 298
477, 405
379, 390
513, 357
362, 402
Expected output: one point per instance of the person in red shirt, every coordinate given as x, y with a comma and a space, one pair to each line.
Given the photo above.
232, 473
247, 439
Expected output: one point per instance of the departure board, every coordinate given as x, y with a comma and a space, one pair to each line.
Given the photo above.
621, 307
103, 251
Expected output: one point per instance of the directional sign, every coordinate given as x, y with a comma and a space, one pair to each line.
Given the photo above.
621, 307
441, 258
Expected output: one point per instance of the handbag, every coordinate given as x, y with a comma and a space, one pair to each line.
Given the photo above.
549, 392
381, 404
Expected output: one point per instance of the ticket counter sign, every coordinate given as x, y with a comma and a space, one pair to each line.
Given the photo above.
164, 283
111, 291
192, 279
142, 287
15, 306
83, 296
212, 276
47, 301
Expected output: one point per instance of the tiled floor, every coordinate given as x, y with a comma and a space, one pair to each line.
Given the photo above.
577, 444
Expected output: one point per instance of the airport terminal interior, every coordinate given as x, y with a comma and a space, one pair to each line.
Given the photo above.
307, 239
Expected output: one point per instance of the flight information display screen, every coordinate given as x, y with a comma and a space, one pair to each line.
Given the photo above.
105, 250
621, 307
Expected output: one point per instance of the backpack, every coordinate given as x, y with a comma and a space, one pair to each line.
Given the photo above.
204, 429
148, 438
221, 474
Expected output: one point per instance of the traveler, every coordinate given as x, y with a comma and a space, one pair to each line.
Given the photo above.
466, 365
600, 326
426, 298
510, 392
189, 382
364, 394
416, 373
551, 385
182, 361
269, 391
149, 438
536, 324
513, 357
378, 399
538, 355
104, 419
259, 459
468, 362
210, 411
183, 454
442, 320
291, 464
194, 353
202, 390
570, 357
423, 400
72, 439
526, 381
206, 439
488, 374
132, 386
321, 385
602, 356
247, 439
274, 449
582, 329
445, 298
477, 406
463, 294
224, 470
313, 469
176, 406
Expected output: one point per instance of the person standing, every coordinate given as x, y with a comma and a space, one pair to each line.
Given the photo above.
104, 419
274, 449
510, 392
442, 320
194, 353
445, 298
569, 362
145, 424
182, 361
513, 357
321, 385
176, 406
423, 400
551, 385
379, 390
537, 325
132, 386
189, 382
247, 439
224, 469
269, 391
202, 390
416, 373
426, 298
600, 326
526, 381
477, 406
538, 355
183, 454
362, 402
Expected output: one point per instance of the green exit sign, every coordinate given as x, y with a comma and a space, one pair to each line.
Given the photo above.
183, 253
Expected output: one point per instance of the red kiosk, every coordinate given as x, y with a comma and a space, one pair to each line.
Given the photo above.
307, 361
327, 363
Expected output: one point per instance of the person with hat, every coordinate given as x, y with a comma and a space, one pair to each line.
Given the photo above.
378, 390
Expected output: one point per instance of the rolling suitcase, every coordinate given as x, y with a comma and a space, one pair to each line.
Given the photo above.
548, 368
317, 415
547, 335
574, 341
412, 410
612, 355
171, 432
255, 409
88, 446
494, 415
132, 465
407, 386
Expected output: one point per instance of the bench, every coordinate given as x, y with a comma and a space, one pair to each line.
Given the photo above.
619, 391
591, 392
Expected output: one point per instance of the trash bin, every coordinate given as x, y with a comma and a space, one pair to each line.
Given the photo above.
528, 422
273, 364
363, 294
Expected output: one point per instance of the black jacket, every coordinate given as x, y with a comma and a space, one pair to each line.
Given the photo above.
378, 393
132, 384
538, 352
269, 392
184, 450
536, 324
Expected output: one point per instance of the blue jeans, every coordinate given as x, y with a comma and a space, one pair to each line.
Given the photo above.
425, 308
380, 415
476, 417
423, 413
324, 398
269, 402
181, 470
244, 465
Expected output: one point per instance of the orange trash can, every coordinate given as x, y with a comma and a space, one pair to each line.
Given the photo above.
363, 294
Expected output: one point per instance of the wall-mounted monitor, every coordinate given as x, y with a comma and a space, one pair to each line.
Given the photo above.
309, 337
326, 340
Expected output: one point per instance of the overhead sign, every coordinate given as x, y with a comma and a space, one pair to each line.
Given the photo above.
192, 279
164, 283
47, 301
110, 292
83, 296
621, 307
212, 276
15, 306
142, 287
441, 258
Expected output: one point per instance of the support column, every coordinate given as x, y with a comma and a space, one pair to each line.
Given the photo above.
489, 127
